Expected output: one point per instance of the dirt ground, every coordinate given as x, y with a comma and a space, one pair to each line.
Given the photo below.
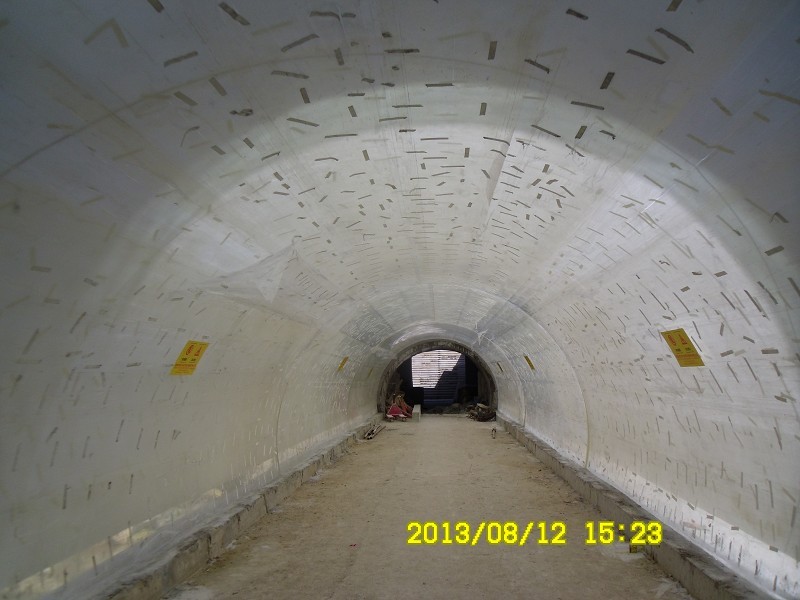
345, 534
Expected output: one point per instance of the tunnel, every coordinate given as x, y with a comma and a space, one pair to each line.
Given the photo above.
226, 224
474, 385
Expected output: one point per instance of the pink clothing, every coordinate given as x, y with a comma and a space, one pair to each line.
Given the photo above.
395, 411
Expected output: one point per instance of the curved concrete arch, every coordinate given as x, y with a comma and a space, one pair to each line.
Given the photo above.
503, 334
313, 193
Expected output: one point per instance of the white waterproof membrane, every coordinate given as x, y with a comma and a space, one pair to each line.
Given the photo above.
312, 188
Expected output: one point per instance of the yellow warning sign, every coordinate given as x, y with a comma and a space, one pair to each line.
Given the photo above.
190, 355
683, 348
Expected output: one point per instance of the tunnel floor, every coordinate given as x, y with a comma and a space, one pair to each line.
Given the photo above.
344, 533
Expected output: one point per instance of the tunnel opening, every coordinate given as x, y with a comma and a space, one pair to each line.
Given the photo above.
440, 376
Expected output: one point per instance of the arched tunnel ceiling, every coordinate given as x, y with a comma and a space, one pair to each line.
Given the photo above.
311, 185
365, 144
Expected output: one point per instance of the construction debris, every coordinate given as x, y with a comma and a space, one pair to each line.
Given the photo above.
373, 431
481, 412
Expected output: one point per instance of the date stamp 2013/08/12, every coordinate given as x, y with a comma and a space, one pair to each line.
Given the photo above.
637, 533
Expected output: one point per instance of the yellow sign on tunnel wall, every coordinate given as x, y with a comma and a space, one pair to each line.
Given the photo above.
683, 348
189, 357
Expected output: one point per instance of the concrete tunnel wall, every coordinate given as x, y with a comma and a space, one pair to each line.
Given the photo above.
302, 184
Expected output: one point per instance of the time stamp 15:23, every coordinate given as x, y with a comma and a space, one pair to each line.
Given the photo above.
637, 533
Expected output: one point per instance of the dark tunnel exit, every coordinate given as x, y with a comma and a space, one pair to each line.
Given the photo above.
441, 377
